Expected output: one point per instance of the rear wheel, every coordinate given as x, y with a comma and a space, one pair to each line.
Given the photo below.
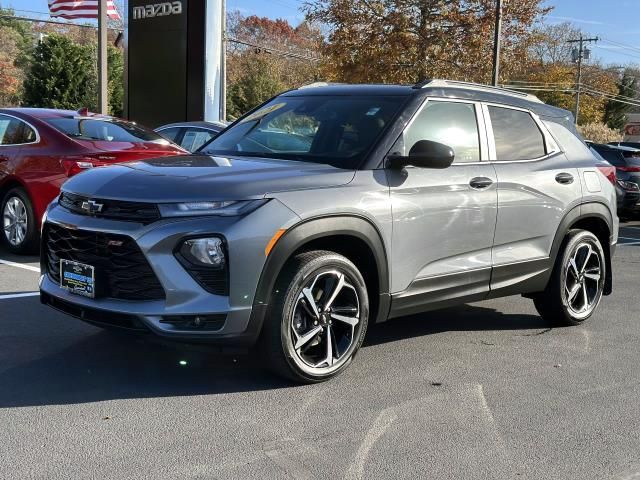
319, 317
19, 229
577, 283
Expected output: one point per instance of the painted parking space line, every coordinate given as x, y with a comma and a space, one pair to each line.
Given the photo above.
20, 265
19, 295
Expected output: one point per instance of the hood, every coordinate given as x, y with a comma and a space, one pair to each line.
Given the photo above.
200, 177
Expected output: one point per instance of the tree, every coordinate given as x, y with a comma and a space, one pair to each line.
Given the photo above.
61, 75
549, 45
614, 113
267, 56
10, 74
256, 84
410, 40
115, 73
557, 87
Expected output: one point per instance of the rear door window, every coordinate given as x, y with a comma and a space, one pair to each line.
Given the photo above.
15, 132
516, 134
171, 134
194, 138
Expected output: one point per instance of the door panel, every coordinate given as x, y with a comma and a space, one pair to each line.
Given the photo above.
533, 197
442, 226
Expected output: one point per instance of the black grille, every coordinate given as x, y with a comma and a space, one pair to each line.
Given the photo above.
122, 271
114, 209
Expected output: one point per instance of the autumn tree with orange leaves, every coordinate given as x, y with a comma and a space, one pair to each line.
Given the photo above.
404, 41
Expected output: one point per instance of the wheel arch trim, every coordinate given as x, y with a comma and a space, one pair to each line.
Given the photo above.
306, 231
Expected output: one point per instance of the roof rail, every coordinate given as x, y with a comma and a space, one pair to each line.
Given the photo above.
318, 84
477, 86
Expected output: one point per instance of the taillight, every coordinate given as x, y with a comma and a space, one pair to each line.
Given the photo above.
609, 172
629, 169
73, 167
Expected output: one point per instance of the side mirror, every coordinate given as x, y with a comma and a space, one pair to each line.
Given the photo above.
424, 154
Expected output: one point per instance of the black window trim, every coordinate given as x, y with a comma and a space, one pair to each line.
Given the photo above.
480, 122
551, 147
24, 122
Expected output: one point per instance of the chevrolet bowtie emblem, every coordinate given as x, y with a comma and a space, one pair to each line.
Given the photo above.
91, 206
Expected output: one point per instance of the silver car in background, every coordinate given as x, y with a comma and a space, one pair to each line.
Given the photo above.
333, 207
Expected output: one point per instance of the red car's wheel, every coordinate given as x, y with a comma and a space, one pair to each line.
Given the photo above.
19, 226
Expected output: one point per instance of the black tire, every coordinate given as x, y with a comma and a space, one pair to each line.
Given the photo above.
559, 303
29, 244
290, 317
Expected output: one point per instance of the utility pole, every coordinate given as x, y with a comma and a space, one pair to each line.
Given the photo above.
578, 56
496, 43
102, 57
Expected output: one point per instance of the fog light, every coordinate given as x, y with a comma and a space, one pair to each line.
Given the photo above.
207, 252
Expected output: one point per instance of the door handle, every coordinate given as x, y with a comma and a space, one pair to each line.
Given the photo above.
564, 178
480, 183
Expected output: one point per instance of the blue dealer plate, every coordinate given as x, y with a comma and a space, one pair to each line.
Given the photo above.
77, 278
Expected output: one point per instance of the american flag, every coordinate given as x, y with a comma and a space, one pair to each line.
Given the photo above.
71, 9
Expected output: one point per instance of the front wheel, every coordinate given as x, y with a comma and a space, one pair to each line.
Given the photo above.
577, 282
19, 229
319, 317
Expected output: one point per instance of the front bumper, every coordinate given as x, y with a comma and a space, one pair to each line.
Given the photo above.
235, 318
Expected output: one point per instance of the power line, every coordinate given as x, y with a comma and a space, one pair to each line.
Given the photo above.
628, 47
282, 53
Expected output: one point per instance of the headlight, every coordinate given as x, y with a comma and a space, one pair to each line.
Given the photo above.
220, 208
204, 252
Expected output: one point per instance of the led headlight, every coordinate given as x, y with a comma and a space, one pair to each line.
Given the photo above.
221, 208
204, 252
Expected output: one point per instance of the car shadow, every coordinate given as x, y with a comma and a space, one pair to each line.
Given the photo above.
50, 359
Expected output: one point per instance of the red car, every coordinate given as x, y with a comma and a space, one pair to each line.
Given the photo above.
41, 148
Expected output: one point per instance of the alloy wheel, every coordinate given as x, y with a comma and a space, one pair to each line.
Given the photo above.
583, 280
15, 221
325, 323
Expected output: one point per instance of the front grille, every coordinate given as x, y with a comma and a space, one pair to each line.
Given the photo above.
113, 209
122, 271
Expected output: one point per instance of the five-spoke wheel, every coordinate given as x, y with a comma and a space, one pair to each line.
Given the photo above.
577, 282
319, 319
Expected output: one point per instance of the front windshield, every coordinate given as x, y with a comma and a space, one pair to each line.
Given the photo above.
336, 130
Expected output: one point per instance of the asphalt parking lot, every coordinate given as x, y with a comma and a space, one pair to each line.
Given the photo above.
482, 391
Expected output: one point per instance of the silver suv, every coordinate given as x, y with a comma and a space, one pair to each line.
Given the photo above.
334, 206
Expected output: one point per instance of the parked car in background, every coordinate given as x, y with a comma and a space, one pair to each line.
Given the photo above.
41, 148
626, 161
625, 144
627, 193
191, 135
333, 207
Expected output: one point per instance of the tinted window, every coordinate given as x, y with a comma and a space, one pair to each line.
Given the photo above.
15, 132
194, 138
103, 130
516, 134
614, 157
451, 123
337, 130
170, 133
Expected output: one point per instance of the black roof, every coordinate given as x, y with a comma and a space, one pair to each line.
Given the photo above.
438, 88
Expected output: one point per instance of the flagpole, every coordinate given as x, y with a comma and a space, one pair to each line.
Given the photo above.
102, 57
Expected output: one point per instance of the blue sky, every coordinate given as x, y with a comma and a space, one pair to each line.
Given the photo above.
615, 21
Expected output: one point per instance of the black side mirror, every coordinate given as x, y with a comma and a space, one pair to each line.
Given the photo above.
425, 154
